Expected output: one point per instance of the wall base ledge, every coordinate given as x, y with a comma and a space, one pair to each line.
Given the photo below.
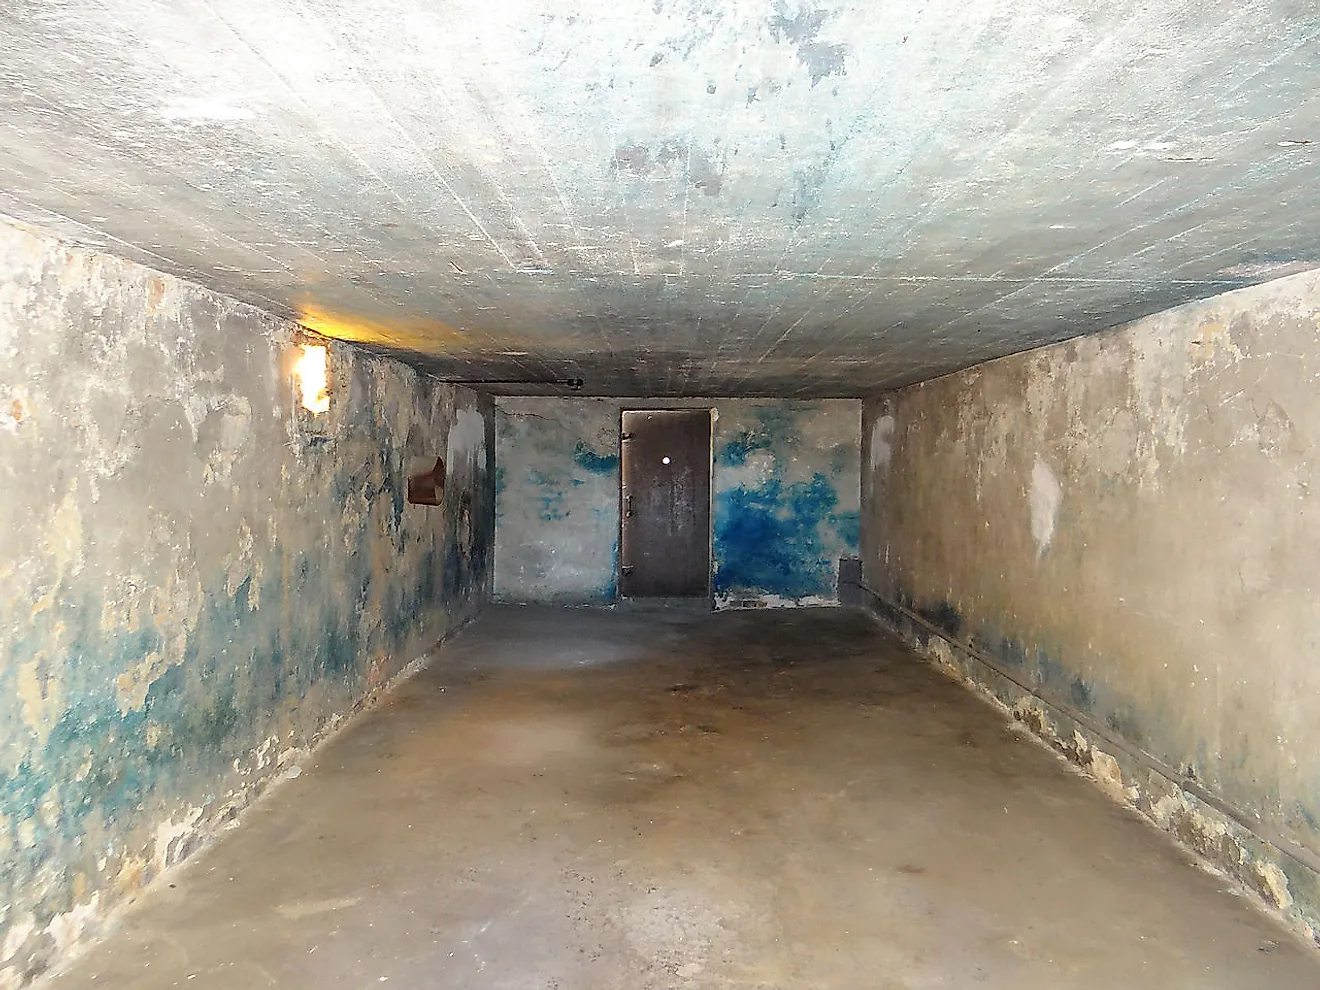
1280, 876
102, 917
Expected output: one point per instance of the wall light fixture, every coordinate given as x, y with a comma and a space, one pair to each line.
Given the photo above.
311, 372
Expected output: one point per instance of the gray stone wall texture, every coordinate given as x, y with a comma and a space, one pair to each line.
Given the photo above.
1125, 524
785, 497
198, 577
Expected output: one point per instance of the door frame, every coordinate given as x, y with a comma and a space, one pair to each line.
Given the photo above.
711, 415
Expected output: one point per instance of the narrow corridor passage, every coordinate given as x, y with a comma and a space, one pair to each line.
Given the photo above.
656, 798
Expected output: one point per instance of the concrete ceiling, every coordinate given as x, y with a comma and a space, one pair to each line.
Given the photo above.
677, 196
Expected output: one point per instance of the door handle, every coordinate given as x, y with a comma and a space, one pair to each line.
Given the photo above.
627, 507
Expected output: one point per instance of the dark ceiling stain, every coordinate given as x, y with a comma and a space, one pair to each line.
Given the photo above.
931, 197
635, 159
704, 174
802, 30
672, 155
693, 23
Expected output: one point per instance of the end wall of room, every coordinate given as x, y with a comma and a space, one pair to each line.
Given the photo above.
198, 577
1125, 528
785, 497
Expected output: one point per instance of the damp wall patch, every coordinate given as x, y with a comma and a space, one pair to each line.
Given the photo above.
557, 510
1127, 523
785, 497
786, 500
200, 576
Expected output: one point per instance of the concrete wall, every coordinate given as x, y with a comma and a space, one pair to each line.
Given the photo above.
557, 499
1124, 525
784, 503
198, 578
787, 497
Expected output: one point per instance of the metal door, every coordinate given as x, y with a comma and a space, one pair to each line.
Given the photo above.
665, 535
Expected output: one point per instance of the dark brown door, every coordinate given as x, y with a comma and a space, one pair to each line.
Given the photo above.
665, 539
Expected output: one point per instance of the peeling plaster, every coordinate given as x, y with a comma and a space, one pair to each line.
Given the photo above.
1172, 598
211, 578
1045, 496
1224, 846
853, 192
882, 432
785, 498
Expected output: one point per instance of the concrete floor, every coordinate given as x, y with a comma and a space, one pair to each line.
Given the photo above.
657, 798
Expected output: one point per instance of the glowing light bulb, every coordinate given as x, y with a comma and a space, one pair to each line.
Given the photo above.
312, 374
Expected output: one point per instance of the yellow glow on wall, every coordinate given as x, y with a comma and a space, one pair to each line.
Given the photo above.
427, 335
311, 372
424, 335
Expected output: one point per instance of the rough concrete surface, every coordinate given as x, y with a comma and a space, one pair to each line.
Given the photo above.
556, 500
582, 798
785, 494
1265, 865
672, 196
1126, 523
198, 577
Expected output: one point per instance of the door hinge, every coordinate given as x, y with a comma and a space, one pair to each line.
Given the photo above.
625, 436
627, 570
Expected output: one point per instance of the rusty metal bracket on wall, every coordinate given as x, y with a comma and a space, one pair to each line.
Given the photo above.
427, 487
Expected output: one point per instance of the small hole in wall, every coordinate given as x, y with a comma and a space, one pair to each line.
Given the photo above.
665, 459
426, 487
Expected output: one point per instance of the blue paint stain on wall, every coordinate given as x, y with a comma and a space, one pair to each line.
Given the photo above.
781, 526
610, 589
849, 527
840, 460
145, 719
552, 506
587, 459
558, 509
735, 452
768, 539
784, 508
